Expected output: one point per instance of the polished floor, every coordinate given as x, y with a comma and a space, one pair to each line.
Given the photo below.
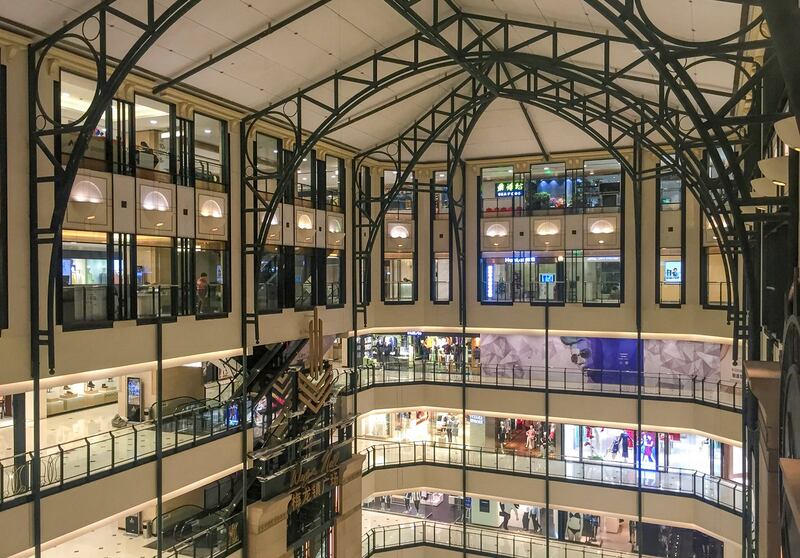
107, 541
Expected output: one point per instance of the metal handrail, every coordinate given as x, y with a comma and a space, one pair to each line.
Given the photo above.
106, 452
726, 494
717, 393
480, 540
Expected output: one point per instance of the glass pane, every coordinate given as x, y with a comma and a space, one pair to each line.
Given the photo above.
497, 272
603, 277
670, 196
268, 289
716, 280
208, 154
399, 279
441, 279
500, 193
154, 277
671, 275
602, 185
441, 202
403, 202
548, 186
303, 279
152, 138
209, 265
333, 276
77, 94
304, 192
84, 278
333, 187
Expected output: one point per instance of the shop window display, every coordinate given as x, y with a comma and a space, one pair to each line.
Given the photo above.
209, 265
602, 186
155, 283
548, 187
84, 278
154, 139
77, 396
210, 143
398, 278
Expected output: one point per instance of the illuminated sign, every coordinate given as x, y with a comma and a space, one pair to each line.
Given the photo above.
476, 419
547, 277
509, 189
520, 259
673, 272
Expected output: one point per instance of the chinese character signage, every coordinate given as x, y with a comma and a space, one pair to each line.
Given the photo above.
509, 189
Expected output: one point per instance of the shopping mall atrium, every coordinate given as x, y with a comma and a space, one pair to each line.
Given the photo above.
399, 278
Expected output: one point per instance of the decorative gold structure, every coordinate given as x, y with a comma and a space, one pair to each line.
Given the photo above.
315, 384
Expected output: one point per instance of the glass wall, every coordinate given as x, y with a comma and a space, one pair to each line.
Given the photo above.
501, 194
84, 279
602, 277
303, 278
602, 185
154, 143
334, 278
76, 94
334, 192
670, 273
267, 151
441, 278
210, 267
155, 279
440, 259
548, 187
210, 139
398, 272
522, 276
268, 288
440, 200
715, 286
304, 185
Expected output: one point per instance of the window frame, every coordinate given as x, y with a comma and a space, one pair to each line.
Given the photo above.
414, 255
660, 173
433, 214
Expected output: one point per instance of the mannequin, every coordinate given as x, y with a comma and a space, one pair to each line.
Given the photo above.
574, 526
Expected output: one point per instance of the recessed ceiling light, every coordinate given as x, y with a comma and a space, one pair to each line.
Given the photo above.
274, 150
65, 95
601, 241
159, 224
154, 122
91, 218
215, 229
206, 131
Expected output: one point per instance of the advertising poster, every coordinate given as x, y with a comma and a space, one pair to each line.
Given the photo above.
604, 360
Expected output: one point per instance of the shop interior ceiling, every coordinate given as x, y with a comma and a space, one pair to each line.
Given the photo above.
341, 32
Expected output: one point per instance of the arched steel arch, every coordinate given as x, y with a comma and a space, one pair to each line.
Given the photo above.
51, 179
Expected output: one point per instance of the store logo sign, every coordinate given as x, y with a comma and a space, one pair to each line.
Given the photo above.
509, 189
547, 277
673, 272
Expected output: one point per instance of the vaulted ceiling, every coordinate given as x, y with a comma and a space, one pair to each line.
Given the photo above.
337, 33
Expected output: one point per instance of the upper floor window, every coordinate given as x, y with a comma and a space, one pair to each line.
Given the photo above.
548, 187
714, 284
334, 278
156, 288
267, 156
304, 183
210, 152
501, 195
602, 185
75, 97
85, 287
670, 192
334, 175
403, 202
441, 199
155, 140
210, 267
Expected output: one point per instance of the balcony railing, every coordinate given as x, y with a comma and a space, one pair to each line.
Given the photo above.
726, 494
155, 301
477, 540
654, 385
74, 462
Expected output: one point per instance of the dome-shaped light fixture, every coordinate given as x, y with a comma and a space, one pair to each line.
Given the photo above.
787, 129
496, 230
601, 226
211, 208
548, 228
86, 191
776, 169
155, 201
334, 226
398, 231
304, 222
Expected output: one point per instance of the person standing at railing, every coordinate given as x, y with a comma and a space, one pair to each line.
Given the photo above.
202, 292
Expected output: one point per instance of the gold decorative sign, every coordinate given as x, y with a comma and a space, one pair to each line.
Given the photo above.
315, 386
309, 484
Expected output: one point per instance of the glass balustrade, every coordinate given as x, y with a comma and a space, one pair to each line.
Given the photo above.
720, 492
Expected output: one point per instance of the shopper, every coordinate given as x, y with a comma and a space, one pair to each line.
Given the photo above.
505, 515
202, 292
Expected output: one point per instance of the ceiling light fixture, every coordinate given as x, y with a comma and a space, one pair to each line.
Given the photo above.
206, 131
154, 122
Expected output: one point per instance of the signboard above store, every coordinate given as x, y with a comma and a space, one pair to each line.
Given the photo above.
509, 189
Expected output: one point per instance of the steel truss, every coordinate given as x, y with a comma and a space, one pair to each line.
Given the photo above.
51, 179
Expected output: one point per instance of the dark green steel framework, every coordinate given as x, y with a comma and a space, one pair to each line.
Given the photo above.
483, 62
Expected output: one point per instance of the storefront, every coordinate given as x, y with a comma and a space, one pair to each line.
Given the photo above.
77, 396
414, 426
416, 349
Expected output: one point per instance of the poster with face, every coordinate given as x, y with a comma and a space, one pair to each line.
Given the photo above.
604, 360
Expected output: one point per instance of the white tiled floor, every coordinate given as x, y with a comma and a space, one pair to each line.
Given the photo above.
104, 542
62, 428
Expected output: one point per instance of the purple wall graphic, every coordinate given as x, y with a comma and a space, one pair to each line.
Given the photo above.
602, 360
